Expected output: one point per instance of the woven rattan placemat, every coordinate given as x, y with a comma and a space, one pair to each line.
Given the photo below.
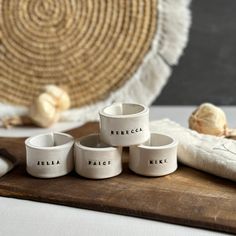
100, 51
91, 47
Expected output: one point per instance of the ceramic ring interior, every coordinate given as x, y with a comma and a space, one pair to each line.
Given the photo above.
95, 159
155, 157
49, 155
124, 124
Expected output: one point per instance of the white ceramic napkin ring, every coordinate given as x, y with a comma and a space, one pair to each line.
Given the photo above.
95, 159
124, 124
156, 157
49, 155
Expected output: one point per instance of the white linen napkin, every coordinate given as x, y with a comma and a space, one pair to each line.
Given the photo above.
215, 155
7, 162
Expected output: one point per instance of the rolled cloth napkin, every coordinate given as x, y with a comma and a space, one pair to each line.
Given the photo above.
215, 155
7, 162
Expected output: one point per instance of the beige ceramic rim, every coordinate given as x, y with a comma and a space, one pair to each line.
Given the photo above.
171, 144
142, 110
93, 149
30, 139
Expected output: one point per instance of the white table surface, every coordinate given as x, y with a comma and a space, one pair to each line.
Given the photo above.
21, 217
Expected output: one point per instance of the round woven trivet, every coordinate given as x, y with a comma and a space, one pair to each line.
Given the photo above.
92, 47
97, 49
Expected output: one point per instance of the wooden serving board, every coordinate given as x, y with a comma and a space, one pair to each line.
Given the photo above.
187, 197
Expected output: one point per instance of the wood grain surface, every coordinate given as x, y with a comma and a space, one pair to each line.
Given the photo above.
187, 197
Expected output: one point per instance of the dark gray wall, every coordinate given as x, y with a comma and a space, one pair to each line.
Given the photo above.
207, 70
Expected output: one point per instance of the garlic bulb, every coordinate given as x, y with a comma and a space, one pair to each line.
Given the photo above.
43, 111
209, 119
61, 97
16, 120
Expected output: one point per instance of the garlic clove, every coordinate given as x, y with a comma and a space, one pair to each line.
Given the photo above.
231, 134
209, 119
61, 96
16, 120
43, 111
